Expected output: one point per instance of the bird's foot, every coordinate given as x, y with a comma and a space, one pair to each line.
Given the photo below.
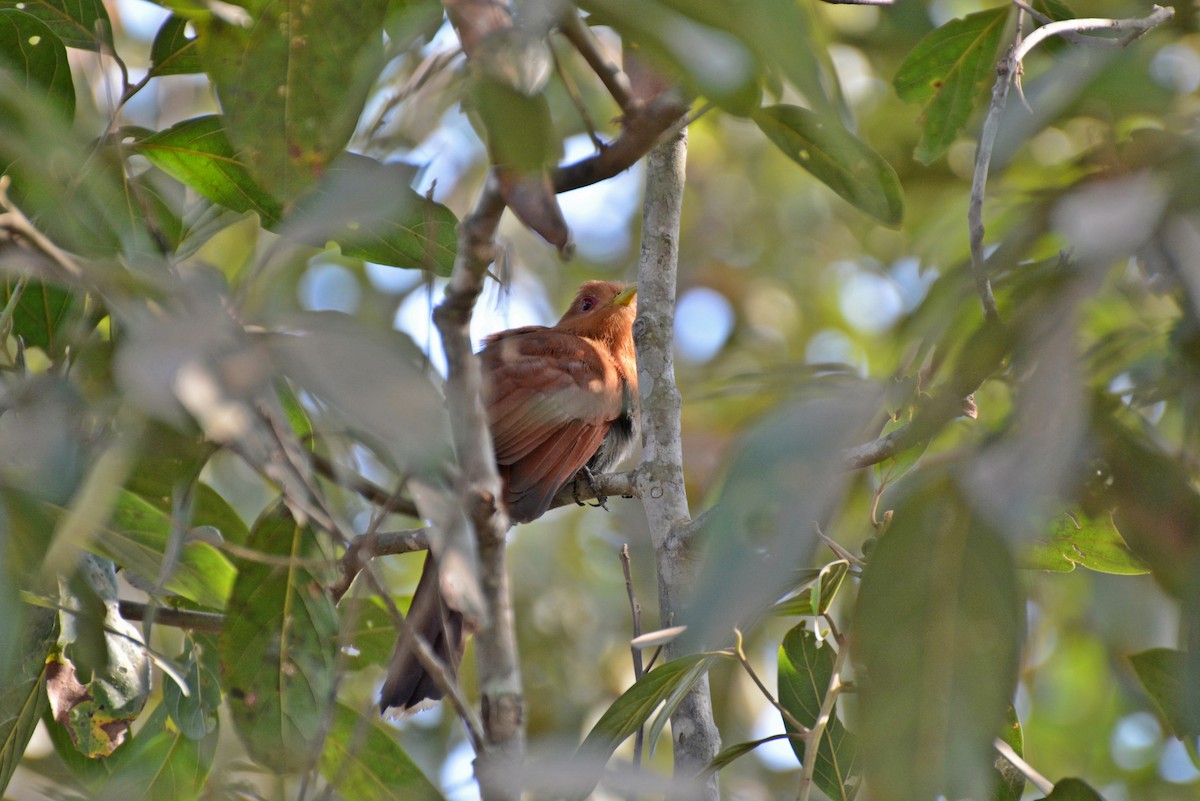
586, 473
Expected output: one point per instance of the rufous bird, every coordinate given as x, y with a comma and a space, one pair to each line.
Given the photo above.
559, 400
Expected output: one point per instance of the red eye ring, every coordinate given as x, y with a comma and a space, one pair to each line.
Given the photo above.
587, 304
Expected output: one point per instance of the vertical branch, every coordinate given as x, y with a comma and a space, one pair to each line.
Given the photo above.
502, 704
660, 475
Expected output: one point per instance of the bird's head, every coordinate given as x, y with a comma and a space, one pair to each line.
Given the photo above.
601, 307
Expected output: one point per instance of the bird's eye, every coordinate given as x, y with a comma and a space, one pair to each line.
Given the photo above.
587, 304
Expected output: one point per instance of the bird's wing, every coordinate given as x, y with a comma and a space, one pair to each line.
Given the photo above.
550, 398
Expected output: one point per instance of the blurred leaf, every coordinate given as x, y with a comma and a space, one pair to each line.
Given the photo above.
277, 647
23, 690
295, 413
520, 132
195, 714
198, 153
173, 53
78, 23
33, 57
837, 158
369, 209
938, 632
371, 381
136, 538
1008, 782
816, 598
1072, 790
98, 714
159, 763
895, 468
732, 752
276, 82
362, 760
1093, 542
39, 313
948, 72
805, 673
631, 711
1164, 675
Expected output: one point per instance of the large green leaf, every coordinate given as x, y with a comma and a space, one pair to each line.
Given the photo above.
198, 153
836, 157
805, 671
948, 72
292, 83
137, 538
277, 647
39, 313
1164, 674
363, 761
937, 632
631, 711
160, 763
1093, 542
33, 57
78, 23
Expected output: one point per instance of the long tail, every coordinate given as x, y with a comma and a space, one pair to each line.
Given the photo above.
408, 683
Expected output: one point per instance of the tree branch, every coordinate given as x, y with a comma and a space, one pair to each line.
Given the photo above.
583, 40
660, 475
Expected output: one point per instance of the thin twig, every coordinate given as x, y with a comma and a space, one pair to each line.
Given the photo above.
812, 740
209, 622
639, 669
1039, 781
14, 221
1132, 27
364, 549
583, 40
740, 655
576, 99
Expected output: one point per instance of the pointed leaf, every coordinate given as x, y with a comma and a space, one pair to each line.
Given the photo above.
159, 763
837, 158
937, 631
277, 646
33, 57
1072, 790
363, 761
948, 72
23, 690
195, 714
39, 313
78, 23
816, 598
631, 711
805, 671
1164, 674
173, 53
198, 153
1093, 542
292, 84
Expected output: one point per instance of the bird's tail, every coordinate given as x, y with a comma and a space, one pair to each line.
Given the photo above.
408, 683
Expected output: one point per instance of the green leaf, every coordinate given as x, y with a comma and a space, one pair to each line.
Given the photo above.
1072, 790
1093, 542
39, 313
173, 53
631, 711
292, 84
78, 23
730, 753
159, 763
277, 647
195, 714
938, 631
816, 598
362, 760
520, 132
1164, 674
1008, 782
948, 72
198, 153
837, 158
893, 469
805, 672
138, 537
23, 691
35, 59
370, 211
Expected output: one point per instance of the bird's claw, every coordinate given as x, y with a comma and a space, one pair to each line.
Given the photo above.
601, 500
